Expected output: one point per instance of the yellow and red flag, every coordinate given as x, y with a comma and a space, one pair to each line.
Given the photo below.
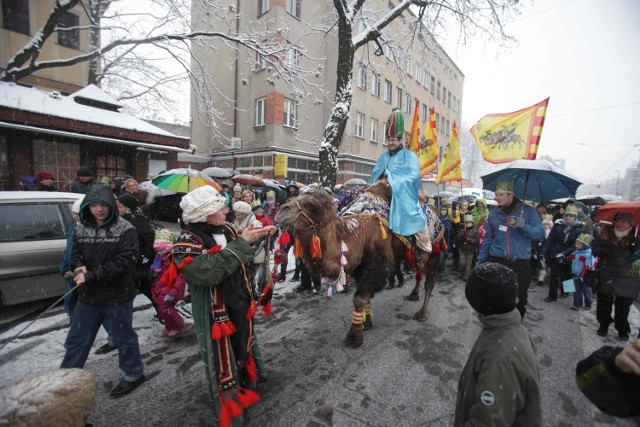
450, 168
414, 137
429, 147
507, 137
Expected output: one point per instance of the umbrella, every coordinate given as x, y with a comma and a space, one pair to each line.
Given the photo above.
607, 212
183, 180
216, 172
154, 191
536, 180
356, 181
444, 195
280, 189
247, 179
600, 199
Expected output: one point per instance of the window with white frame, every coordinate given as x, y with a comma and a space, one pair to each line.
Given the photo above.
439, 91
425, 113
293, 7
399, 98
362, 78
261, 63
407, 104
292, 58
438, 127
409, 67
263, 6
375, 85
449, 99
374, 130
444, 95
260, 111
425, 79
433, 85
418, 75
388, 87
384, 133
388, 52
360, 125
290, 113
454, 104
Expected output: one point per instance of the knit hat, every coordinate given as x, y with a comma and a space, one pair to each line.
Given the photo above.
625, 216
257, 208
468, 218
585, 239
242, 207
491, 289
129, 201
571, 210
395, 124
83, 171
41, 176
75, 208
163, 240
581, 206
505, 187
237, 188
198, 204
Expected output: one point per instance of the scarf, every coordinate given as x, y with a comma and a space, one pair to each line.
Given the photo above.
621, 234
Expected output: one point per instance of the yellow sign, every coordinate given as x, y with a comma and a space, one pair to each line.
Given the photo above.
279, 165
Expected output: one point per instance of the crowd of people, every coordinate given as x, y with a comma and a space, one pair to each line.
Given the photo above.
221, 257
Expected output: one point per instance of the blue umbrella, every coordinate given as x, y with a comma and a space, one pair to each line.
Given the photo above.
536, 180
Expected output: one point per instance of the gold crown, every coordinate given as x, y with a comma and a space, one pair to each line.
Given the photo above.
468, 218
585, 238
571, 210
505, 187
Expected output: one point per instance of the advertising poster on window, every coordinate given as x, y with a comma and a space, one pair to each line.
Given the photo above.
279, 165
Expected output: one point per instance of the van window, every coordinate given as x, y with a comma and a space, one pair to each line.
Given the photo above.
32, 221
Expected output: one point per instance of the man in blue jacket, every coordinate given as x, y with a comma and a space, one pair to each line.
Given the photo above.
510, 230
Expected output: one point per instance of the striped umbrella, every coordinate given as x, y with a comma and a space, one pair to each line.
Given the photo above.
183, 180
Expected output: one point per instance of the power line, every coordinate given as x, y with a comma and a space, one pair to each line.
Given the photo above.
594, 109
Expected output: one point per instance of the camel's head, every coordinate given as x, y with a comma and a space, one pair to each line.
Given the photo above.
382, 189
312, 208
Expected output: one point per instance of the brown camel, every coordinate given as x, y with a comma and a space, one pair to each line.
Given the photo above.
372, 248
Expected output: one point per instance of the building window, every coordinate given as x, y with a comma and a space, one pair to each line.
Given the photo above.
438, 91
387, 91
260, 111
263, 6
384, 134
375, 85
444, 95
438, 126
61, 158
449, 99
433, 85
293, 7
407, 104
425, 113
15, 16
362, 78
111, 165
290, 113
388, 52
425, 79
292, 58
68, 31
398, 98
360, 125
261, 62
454, 104
409, 67
374, 130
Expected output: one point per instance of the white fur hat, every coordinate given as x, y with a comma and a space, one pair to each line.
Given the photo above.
198, 204
242, 207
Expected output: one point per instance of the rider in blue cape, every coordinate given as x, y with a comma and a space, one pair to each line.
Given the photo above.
402, 169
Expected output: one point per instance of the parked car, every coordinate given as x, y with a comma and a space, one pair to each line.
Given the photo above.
33, 237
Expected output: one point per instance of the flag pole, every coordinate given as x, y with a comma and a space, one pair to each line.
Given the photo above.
524, 195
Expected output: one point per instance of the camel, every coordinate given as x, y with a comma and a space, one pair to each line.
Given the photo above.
372, 249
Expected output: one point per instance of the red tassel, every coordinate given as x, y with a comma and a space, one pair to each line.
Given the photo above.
419, 276
411, 259
224, 420
252, 310
216, 333
185, 262
284, 239
316, 248
266, 309
214, 250
267, 288
233, 408
247, 397
224, 329
169, 276
252, 370
230, 326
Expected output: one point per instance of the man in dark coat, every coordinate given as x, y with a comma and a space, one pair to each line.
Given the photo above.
105, 252
85, 181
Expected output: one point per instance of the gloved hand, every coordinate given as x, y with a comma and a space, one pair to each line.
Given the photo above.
560, 257
169, 298
519, 223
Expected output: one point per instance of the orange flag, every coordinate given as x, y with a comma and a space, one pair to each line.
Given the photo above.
507, 137
450, 168
429, 146
414, 137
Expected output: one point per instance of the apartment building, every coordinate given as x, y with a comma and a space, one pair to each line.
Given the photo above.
275, 131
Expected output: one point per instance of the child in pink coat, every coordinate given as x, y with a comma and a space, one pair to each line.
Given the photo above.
166, 295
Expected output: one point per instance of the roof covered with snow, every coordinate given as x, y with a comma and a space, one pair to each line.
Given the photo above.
53, 104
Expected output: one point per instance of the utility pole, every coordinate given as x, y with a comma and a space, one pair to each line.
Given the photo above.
618, 184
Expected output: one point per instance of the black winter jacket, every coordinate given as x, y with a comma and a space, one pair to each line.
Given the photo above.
561, 239
108, 251
146, 237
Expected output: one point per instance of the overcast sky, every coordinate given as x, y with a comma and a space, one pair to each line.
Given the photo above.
585, 55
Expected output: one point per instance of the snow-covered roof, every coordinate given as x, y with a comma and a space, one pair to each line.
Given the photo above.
54, 104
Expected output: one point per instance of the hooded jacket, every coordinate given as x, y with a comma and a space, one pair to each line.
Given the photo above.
614, 269
108, 251
478, 212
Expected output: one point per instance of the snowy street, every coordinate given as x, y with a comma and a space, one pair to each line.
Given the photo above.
405, 374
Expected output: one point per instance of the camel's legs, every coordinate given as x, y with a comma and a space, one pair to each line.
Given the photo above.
430, 271
361, 299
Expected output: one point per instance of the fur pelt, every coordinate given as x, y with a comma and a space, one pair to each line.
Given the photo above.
62, 397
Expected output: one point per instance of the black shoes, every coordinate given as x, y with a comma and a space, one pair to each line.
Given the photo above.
623, 336
295, 279
540, 283
301, 288
604, 330
126, 387
107, 348
549, 299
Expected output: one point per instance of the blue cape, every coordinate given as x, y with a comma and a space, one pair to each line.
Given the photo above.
403, 173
